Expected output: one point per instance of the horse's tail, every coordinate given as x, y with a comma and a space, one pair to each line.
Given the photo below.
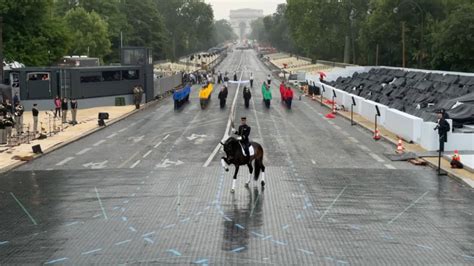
258, 168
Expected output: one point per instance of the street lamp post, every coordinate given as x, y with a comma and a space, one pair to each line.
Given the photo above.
395, 10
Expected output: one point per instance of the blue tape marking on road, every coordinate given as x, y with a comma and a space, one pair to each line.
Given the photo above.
174, 251
199, 213
235, 250
57, 260
4, 242
134, 194
73, 223
239, 226
355, 227
388, 237
143, 182
149, 240
279, 242
298, 216
468, 257
124, 218
122, 209
116, 208
267, 237
221, 212
148, 234
306, 251
341, 262
138, 188
201, 261
123, 242
257, 234
169, 226
91, 251
227, 218
425, 247
185, 220
305, 207
329, 258
207, 208
332, 220
125, 201
285, 226
97, 215
132, 229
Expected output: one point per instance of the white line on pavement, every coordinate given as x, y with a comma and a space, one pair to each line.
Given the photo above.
123, 129
99, 142
157, 144
353, 139
389, 166
345, 133
146, 154
313, 161
337, 127
135, 164
334, 201
63, 162
129, 159
376, 157
167, 136
411, 205
112, 135
83, 151
363, 147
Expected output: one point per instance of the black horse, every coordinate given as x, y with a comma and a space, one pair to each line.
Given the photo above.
235, 156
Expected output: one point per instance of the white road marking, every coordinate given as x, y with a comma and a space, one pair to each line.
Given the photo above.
167, 136
337, 127
99, 142
83, 151
146, 154
345, 133
389, 166
129, 159
157, 145
411, 205
123, 129
313, 161
353, 139
231, 116
112, 135
330, 206
63, 162
135, 164
330, 122
363, 147
376, 157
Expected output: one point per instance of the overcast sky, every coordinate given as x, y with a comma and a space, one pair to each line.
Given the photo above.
222, 7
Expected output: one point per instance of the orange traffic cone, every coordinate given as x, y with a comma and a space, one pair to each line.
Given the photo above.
376, 135
456, 156
400, 148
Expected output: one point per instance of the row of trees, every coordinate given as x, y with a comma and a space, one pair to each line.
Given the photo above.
40, 32
437, 34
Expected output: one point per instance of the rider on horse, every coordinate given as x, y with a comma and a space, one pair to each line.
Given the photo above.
244, 132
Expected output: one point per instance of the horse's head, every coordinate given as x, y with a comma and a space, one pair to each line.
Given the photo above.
230, 147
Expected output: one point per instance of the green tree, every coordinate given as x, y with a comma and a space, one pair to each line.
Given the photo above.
32, 35
453, 41
89, 33
223, 32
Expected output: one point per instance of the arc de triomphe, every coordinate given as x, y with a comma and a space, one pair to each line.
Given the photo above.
240, 20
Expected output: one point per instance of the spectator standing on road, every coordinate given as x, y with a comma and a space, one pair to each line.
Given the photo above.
223, 96
269, 79
16, 99
251, 80
235, 76
9, 123
288, 97
136, 97
3, 134
57, 107
74, 111
282, 91
267, 94
19, 109
35, 113
247, 97
64, 108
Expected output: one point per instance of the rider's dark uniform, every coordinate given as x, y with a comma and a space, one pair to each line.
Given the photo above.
244, 132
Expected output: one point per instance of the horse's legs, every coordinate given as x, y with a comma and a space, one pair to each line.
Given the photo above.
263, 175
224, 164
250, 174
234, 179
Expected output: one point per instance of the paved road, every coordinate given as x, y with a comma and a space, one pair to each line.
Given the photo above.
148, 190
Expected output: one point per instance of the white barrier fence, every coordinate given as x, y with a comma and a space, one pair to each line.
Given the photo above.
409, 127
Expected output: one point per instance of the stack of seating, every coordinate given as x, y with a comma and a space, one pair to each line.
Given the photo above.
413, 92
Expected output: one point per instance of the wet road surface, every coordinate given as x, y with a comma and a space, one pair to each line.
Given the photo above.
149, 190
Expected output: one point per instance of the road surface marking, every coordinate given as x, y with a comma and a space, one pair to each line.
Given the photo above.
24, 209
129, 159
99, 142
57, 260
334, 201
91, 251
345, 133
112, 135
167, 136
376, 157
313, 161
337, 127
389, 166
83, 151
411, 205
353, 139
146, 154
363, 147
229, 121
157, 145
135, 164
100, 203
63, 162
123, 242
123, 129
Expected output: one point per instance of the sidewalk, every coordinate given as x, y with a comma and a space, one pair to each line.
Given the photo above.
461, 175
87, 124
